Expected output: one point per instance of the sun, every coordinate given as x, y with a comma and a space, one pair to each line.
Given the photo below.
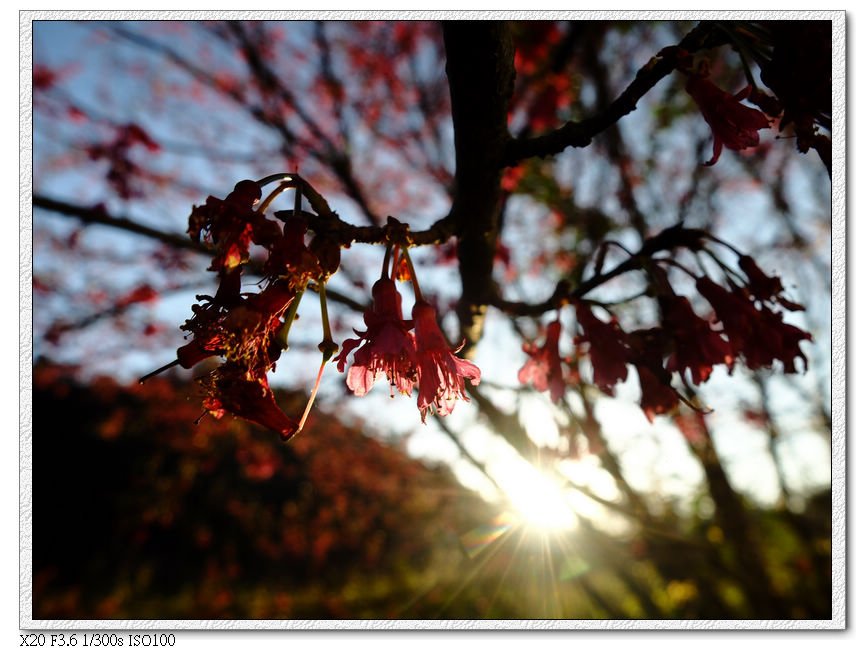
537, 498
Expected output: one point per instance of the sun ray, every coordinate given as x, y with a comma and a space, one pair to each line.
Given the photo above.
482, 560
514, 557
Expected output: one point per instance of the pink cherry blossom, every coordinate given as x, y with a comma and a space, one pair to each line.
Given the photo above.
387, 348
441, 374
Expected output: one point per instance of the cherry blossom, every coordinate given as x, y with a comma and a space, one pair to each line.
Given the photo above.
543, 369
386, 348
441, 374
733, 125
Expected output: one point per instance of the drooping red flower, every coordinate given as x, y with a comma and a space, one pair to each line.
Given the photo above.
249, 396
733, 125
242, 329
781, 341
696, 346
736, 313
648, 347
249, 329
246, 331
658, 395
765, 288
289, 254
197, 350
608, 350
441, 374
759, 336
543, 369
252, 328
792, 337
387, 347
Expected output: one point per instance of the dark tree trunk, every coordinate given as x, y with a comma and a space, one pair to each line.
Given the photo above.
481, 75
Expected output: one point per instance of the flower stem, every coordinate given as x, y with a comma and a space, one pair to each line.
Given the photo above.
284, 176
385, 262
327, 346
671, 262
311, 397
270, 197
709, 235
731, 273
290, 315
395, 263
418, 294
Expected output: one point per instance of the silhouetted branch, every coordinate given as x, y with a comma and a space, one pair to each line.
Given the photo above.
674, 237
581, 134
98, 215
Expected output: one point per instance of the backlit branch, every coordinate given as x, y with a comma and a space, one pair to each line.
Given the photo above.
580, 134
669, 239
96, 215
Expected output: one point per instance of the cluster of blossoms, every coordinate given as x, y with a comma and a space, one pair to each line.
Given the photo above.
390, 349
249, 331
747, 325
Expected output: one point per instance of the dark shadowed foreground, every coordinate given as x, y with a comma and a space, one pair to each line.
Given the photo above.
139, 514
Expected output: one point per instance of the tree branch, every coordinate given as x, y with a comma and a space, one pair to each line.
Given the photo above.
666, 240
98, 215
580, 134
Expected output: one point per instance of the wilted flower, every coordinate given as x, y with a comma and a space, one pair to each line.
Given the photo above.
777, 341
733, 125
387, 347
231, 388
289, 254
734, 310
228, 224
441, 374
648, 347
762, 287
543, 369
